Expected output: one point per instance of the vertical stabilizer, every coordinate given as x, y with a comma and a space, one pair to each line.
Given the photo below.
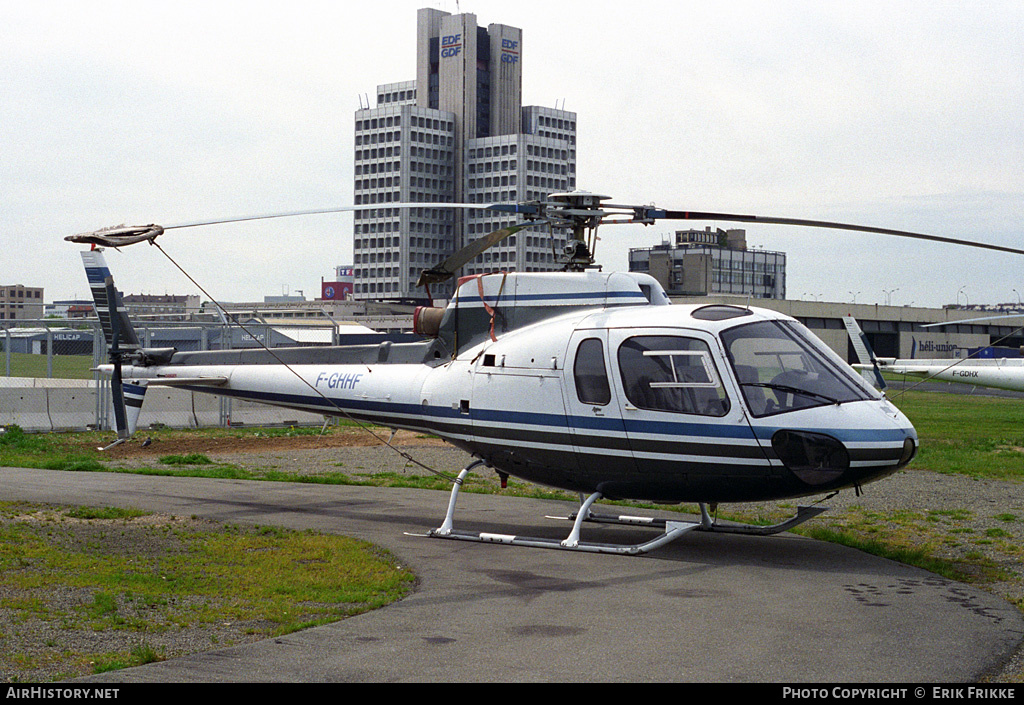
122, 342
97, 272
865, 354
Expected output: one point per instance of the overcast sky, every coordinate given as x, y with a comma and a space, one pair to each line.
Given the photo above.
900, 114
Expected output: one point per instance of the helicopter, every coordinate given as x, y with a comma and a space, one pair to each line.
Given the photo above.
582, 380
995, 373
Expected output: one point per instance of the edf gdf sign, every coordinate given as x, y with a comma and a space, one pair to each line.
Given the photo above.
509, 51
451, 45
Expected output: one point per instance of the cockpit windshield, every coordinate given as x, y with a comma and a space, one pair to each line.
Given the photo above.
781, 366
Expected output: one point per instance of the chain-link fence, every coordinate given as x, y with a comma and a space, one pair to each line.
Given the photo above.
49, 382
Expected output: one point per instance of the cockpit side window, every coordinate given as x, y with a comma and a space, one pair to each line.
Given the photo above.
671, 373
782, 367
591, 376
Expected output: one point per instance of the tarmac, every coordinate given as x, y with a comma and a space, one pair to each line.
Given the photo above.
711, 608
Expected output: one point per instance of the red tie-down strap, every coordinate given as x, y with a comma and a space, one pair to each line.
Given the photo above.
480, 288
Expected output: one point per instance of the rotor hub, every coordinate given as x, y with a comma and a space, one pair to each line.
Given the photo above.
581, 211
579, 199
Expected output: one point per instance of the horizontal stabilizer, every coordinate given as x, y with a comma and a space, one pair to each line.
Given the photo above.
189, 381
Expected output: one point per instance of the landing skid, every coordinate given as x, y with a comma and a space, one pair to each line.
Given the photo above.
706, 522
673, 529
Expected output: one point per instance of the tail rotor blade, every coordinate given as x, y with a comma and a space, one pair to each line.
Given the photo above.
114, 353
117, 396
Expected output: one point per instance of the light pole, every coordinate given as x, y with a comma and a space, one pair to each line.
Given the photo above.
888, 295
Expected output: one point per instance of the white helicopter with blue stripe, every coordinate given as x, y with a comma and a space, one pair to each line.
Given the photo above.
587, 381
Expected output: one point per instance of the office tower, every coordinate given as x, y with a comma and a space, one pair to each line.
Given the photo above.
457, 134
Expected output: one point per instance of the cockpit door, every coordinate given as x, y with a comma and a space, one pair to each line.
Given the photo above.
594, 410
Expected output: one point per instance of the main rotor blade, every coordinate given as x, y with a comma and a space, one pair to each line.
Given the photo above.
502, 207
118, 236
121, 235
697, 215
973, 320
447, 269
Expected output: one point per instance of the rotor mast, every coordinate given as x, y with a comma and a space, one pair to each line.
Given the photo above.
581, 212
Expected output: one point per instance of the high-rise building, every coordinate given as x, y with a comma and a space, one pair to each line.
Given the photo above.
457, 134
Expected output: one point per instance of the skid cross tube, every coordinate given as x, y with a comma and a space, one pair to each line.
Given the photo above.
445, 529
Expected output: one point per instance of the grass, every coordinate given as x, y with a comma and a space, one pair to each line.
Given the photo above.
64, 366
78, 452
913, 538
982, 437
103, 513
136, 656
96, 570
190, 459
45, 451
902, 550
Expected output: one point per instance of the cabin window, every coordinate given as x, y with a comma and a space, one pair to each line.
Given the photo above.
672, 373
591, 376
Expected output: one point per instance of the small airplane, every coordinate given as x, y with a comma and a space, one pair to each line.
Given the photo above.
999, 373
582, 380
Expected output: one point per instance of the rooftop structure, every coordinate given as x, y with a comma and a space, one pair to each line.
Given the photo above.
707, 262
19, 302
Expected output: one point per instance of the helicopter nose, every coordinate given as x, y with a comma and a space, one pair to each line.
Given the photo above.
819, 459
815, 458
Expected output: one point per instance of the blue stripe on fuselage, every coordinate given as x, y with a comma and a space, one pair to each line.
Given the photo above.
583, 296
554, 421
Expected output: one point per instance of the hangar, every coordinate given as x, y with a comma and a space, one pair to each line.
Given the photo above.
897, 331
38, 341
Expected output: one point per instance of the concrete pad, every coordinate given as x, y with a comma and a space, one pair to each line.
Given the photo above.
707, 608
